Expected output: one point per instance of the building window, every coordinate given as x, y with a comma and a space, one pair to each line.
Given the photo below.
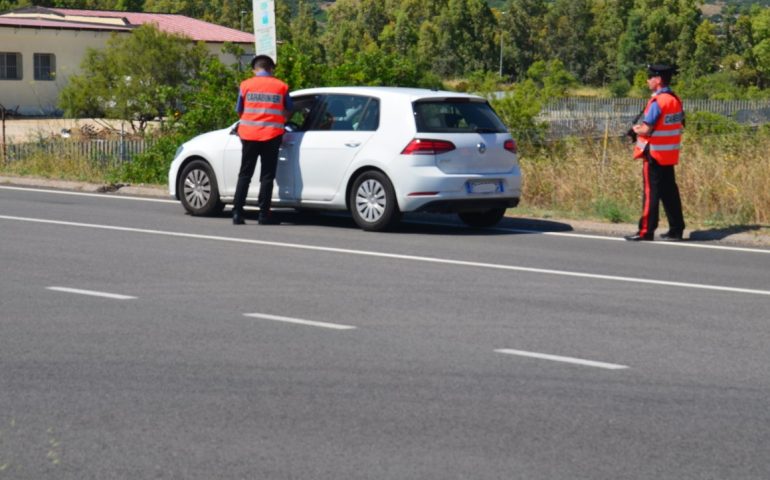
10, 66
45, 66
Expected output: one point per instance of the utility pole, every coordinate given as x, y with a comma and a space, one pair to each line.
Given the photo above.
501, 43
2, 114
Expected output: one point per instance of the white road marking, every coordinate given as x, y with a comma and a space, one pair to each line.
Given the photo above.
500, 229
87, 194
92, 293
299, 321
558, 358
368, 253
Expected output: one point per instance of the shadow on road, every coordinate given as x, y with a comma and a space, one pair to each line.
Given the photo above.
415, 223
722, 233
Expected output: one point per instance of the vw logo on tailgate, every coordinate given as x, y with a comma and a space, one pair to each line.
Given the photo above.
482, 147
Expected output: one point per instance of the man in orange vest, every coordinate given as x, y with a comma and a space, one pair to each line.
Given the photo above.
658, 142
263, 105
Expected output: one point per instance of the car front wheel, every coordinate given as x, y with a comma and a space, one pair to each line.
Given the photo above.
485, 218
373, 202
198, 189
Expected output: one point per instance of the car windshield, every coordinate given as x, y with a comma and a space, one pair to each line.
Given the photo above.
456, 115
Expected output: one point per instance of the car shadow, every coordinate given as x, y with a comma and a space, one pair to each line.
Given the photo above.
414, 223
712, 234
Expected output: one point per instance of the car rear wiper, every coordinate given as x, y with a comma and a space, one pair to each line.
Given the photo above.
486, 130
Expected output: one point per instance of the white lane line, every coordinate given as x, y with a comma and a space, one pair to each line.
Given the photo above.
86, 194
92, 293
299, 321
684, 244
558, 358
443, 261
441, 224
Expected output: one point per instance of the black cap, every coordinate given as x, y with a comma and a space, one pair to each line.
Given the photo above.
262, 61
661, 70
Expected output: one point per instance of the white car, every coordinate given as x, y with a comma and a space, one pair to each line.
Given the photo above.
374, 151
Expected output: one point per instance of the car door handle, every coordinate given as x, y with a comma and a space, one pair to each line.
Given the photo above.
352, 144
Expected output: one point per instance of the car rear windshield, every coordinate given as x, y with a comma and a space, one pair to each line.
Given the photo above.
456, 116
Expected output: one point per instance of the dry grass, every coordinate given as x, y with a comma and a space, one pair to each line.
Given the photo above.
723, 180
60, 167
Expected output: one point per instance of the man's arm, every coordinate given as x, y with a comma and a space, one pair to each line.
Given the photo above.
239, 104
649, 120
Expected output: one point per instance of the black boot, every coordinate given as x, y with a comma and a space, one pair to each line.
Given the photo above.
241, 190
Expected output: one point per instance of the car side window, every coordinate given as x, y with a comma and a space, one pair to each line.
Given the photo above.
300, 112
347, 113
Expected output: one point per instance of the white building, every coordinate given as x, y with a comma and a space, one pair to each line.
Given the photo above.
40, 48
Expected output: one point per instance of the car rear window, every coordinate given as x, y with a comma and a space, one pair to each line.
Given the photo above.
456, 116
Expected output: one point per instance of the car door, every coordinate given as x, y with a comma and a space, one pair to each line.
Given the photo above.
340, 128
286, 173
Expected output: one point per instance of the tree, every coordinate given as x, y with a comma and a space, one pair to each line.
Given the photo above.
569, 21
523, 29
136, 77
708, 50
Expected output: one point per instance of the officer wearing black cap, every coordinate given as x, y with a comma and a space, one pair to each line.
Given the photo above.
263, 105
657, 144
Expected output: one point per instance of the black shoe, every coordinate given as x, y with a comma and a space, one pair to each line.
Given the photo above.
238, 217
639, 238
671, 237
268, 220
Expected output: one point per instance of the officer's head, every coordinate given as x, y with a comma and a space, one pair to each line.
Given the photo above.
664, 71
263, 62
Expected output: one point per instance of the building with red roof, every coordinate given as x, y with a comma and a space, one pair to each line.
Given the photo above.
40, 48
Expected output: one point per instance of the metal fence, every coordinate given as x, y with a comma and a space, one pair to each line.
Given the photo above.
104, 152
586, 116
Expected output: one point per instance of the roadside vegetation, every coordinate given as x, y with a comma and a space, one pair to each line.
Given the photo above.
543, 49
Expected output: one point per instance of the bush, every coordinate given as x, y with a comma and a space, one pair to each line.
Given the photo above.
152, 165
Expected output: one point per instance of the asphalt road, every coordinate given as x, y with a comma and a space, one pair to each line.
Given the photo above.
138, 342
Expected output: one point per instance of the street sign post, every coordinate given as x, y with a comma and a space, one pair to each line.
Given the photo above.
264, 28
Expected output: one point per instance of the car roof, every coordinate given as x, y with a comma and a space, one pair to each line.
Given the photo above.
412, 94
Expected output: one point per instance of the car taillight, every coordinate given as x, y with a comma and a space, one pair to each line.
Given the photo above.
422, 146
510, 145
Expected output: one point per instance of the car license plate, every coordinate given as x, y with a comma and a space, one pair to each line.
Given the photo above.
484, 186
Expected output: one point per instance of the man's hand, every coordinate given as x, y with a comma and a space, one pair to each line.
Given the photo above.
642, 129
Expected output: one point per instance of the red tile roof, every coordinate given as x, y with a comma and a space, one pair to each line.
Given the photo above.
171, 23
44, 23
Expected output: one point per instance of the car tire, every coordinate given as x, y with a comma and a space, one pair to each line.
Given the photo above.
484, 218
198, 189
373, 202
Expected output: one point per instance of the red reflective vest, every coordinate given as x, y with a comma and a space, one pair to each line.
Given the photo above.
665, 140
264, 100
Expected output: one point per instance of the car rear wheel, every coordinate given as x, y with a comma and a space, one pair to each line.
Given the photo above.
198, 189
484, 218
373, 202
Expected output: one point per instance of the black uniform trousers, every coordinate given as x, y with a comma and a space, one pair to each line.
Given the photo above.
660, 186
267, 153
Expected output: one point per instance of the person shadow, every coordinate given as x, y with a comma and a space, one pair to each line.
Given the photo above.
712, 234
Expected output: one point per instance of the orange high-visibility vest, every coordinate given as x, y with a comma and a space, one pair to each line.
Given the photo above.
665, 140
263, 108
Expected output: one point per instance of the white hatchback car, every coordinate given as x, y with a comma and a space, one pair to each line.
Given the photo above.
374, 151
